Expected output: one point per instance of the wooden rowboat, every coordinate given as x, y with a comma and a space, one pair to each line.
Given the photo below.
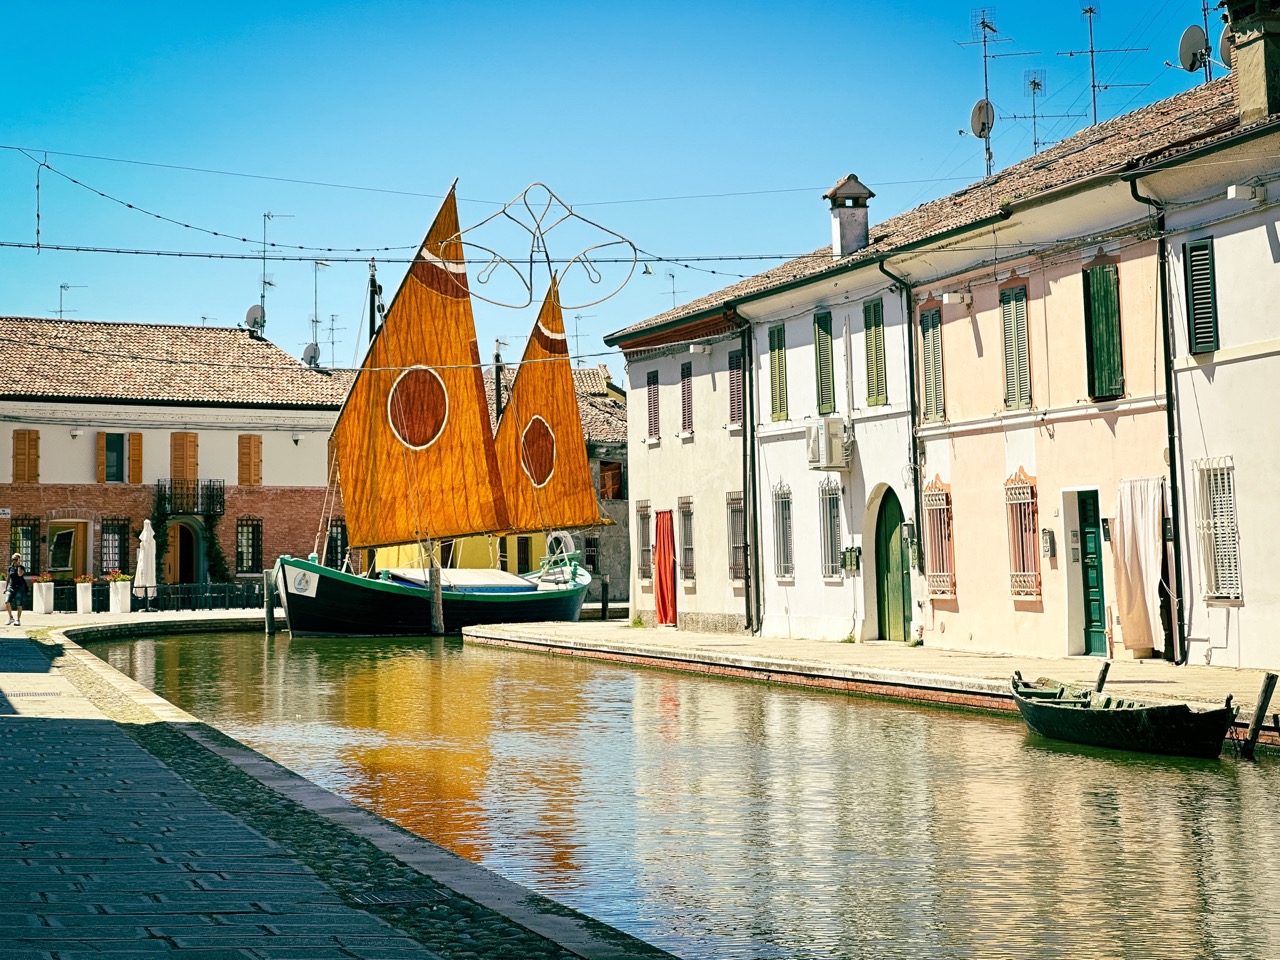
1081, 715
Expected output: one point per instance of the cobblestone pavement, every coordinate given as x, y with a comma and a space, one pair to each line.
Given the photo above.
124, 834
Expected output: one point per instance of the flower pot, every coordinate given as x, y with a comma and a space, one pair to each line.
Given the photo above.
42, 597
84, 598
121, 601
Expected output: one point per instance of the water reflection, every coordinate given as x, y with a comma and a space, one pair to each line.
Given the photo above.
725, 819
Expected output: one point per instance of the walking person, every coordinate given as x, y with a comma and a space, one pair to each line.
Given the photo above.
15, 589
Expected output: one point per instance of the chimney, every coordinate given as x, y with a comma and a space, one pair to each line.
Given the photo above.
1255, 25
848, 216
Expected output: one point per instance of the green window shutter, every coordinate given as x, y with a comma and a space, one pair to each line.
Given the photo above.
1202, 302
822, 361
1017, 368
931, 354
873, 322
1102, 331
778, 371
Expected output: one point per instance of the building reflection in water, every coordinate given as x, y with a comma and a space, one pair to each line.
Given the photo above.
727, 819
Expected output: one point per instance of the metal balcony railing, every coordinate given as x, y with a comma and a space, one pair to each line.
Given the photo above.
240, 594
205, 497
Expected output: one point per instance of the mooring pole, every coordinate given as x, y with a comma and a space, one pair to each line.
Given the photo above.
604, 597
433, 582
1102, 677
269, 601
1259, 715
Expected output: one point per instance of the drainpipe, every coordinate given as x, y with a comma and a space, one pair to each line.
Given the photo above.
1162, 263
911, 394
750, 506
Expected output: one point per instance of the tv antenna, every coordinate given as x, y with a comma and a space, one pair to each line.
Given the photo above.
1194, 51
333, 340
1089, 11
671, 275
1033, 85
316, 266
983, 116
577, 354
62, 289
204, 319
266, 280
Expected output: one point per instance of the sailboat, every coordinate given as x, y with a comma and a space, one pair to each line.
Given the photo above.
418, 462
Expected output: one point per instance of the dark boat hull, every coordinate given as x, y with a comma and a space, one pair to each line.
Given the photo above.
323, 602
1173, 729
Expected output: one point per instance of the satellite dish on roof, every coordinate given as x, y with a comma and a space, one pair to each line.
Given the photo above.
983, 118
255, 319
1227, 47
1193, 48
311, 355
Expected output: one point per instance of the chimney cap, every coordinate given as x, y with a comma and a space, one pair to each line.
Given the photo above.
849, 190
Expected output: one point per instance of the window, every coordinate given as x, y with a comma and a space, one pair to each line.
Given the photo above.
591, 553
1202, 304
62, 548
1102, 331
250, 473
822, 363
113, 546
26, 456
686, 398
686, 537
737, 535
24, 540
778, 372
783, 557
1216, 528
829, 518
335, 543
931, 354
651, 385
249, 545
612, 486
1024, 539
940, 555
184, 461
644, 538
110, 457
524, 554
736, 388
873, 323
1017, 370
502, 553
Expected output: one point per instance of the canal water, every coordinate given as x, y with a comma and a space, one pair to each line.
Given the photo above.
723, 819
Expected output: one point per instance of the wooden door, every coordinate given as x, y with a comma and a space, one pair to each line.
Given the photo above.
1095, 604
893, 572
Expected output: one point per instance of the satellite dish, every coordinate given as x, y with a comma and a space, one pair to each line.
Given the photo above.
982, 119
254, 318
311, 355
1227, 47
1192, 48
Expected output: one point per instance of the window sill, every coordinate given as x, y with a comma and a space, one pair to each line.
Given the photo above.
685, 437
787, 581
1224, 601
652, 441
645, 581
689, 582
735, 429
839, 579
737, 582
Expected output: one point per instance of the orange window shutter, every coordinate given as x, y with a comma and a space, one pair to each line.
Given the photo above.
135, 458
245, 472
102, 457
193, 459
177, 457
20, 456
33, 456
257, 459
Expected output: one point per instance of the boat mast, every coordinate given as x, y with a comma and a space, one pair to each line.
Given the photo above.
374, 290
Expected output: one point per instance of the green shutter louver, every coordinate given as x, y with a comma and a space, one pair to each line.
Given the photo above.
778, 371
1202, 305
822, 361
873, 322
1017, 367
1102, 331
931, 354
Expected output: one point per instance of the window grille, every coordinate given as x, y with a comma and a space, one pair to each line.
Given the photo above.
783, 556
686, 537
940, 556
113, 546
686, 398
249, 545
1024, 539
335, 544
651, 387
591, 553
1216, 528
737, 516
736, 388
829, 517
24, 540
644, 538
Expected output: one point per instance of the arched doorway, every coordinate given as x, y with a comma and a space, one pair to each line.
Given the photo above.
182, 554
893, 571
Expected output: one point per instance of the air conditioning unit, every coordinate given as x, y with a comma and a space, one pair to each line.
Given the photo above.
825, 444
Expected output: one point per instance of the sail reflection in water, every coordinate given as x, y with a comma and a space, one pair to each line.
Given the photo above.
721, 819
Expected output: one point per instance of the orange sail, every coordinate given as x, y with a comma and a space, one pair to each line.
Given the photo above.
414, 442
546, 479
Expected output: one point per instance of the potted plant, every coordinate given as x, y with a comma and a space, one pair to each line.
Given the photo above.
119, 585
42, 593
84, 593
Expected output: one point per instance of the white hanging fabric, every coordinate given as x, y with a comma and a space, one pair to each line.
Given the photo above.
1137, 544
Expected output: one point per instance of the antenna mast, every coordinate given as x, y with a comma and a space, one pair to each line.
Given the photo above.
266, 281
1089, 11
1033, 86
982, 24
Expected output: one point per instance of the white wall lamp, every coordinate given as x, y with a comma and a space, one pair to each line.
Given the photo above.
1245, 191
958, 297
75, 433
297, 437
704, 348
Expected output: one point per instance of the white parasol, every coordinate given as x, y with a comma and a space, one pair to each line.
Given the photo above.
144, 577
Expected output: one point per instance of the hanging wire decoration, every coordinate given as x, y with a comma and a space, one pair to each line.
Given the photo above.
533, 215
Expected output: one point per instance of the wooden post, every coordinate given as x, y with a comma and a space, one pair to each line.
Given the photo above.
1259, 715
604, 597
269, 601
433, 582
1102, 677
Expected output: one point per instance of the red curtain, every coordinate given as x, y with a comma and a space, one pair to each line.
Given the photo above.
664, 569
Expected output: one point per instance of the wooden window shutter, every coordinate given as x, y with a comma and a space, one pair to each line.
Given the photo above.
931, 352
135, 458
1202, 303
736, 387
686, 398
184, 456
1102, 330
877, 381
1017, 371
250, 467
26, 456
651, 386
778, 372
822, 361
102, 457
193, 457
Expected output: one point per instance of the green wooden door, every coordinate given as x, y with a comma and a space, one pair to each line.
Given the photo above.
1095, 604
893, 572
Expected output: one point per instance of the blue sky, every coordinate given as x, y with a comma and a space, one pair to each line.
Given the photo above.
744, 112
